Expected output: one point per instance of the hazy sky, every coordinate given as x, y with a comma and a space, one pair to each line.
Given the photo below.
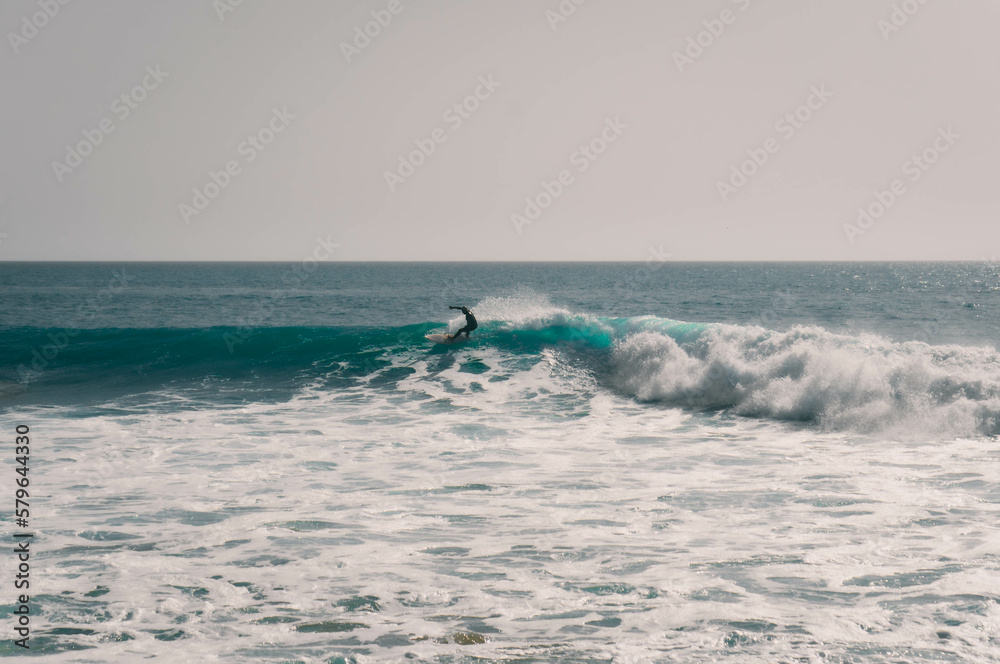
312, 118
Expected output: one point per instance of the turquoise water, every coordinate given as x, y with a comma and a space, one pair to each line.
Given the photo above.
626, 463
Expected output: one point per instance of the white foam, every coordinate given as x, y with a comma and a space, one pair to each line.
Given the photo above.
865, 384
451, 496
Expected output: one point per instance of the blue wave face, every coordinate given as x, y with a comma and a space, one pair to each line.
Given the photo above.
806, 374
110, 363
63, 366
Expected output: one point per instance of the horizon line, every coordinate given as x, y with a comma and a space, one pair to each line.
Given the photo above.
582, 261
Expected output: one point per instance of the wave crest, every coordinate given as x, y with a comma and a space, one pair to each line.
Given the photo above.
807, 374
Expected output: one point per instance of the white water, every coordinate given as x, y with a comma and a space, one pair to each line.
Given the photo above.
523, 500
861, 384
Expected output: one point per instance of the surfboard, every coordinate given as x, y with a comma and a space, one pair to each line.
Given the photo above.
441, 339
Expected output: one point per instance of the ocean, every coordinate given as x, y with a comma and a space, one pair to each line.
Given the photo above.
627, 462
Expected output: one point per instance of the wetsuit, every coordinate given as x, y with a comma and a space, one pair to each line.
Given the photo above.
470, 323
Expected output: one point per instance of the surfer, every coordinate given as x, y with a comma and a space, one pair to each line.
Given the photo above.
470, 323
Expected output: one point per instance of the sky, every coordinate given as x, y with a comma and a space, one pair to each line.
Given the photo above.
503, 130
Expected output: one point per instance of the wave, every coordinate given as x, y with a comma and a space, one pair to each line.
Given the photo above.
864, 384
807, 374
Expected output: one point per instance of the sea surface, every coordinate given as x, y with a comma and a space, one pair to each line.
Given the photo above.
627, 462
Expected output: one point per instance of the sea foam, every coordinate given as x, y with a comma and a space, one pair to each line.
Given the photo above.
858, 383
